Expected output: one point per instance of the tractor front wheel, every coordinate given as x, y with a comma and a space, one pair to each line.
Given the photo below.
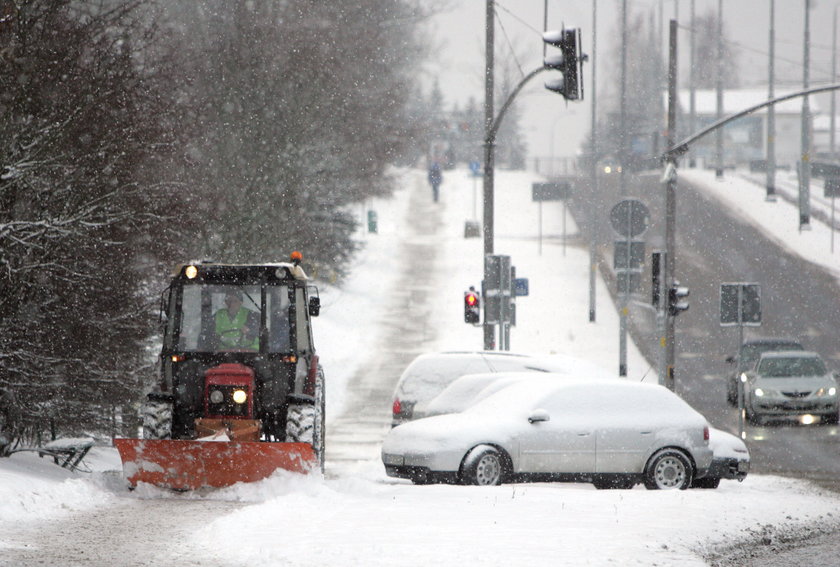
157, 419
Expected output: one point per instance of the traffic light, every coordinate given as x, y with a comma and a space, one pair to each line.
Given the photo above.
472, 306
569, 62
676, 294
657, 267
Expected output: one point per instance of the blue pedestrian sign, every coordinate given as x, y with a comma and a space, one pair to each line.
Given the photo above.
520, 287
475, 167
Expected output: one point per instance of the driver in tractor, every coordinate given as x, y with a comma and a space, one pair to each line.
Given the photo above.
236, 326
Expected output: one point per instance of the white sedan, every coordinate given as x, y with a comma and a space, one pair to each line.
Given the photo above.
611, 433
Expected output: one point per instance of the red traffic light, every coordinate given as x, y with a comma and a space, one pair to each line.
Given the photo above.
472, 303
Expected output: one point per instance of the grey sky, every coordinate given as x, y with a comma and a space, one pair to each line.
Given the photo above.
548, 122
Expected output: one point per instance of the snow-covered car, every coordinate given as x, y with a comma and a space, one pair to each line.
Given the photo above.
428, 374
731, 460
472, 388
787, 384
612, 433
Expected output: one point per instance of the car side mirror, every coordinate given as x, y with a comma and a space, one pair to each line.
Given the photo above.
314, 306
538, 415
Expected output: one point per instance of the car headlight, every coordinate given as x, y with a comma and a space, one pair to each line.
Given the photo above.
766, 392
830, 391
239, 396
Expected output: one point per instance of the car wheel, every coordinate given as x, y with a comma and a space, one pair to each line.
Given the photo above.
482, 466
422, 479
732, 394
706, 482
668, 469
752, 417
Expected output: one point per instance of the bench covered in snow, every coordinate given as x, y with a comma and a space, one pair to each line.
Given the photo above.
67, 452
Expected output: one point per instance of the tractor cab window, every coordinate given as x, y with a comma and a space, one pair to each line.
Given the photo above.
277, 304
220, 317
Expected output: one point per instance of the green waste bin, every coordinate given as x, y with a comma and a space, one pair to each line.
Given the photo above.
372, 220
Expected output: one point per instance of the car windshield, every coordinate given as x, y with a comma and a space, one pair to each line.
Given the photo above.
794, 366
218, 317
751, 353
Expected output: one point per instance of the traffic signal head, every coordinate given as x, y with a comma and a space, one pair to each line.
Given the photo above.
676, 295
472, 306
569, 62
656, 270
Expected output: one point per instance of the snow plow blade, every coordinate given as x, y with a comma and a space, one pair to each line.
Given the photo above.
190, 465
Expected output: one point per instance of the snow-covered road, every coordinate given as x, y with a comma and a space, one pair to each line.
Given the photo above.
408, 281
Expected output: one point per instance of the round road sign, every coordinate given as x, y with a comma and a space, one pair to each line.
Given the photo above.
630, 217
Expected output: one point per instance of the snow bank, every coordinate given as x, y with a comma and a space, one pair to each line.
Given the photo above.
35, 489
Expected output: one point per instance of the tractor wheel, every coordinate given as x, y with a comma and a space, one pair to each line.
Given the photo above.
319, 424
157, 419
300, 423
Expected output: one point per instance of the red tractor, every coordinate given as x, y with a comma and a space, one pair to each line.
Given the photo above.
241, 393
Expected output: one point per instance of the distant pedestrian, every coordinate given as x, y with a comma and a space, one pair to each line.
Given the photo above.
435, 179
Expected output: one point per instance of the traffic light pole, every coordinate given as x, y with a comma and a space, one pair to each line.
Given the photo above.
491, 127
489, 330
670, 179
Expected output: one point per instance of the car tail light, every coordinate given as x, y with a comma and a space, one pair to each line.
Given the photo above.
706, 433
397, 408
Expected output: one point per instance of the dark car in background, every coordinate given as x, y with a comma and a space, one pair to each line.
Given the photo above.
749, 354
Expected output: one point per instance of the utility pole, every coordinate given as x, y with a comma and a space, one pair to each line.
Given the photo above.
623, 302
622, 135
832, 125
489, 329
771, 112
719, 90
692, 84
670, 179
593, 264
805, 162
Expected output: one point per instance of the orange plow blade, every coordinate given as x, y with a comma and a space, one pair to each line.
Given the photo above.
189, 465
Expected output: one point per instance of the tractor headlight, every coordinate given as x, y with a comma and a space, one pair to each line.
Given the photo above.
216, 397
191, 272
239, 396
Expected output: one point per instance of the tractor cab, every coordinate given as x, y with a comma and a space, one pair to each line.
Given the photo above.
232, 328
240, 392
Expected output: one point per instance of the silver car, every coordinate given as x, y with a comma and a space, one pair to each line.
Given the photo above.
612, 433
731, 460
430, 373
788, 384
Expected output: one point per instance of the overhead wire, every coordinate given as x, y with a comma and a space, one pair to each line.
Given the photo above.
507, 38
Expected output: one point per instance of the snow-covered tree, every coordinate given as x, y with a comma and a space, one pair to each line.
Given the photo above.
80, 123
294, 111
